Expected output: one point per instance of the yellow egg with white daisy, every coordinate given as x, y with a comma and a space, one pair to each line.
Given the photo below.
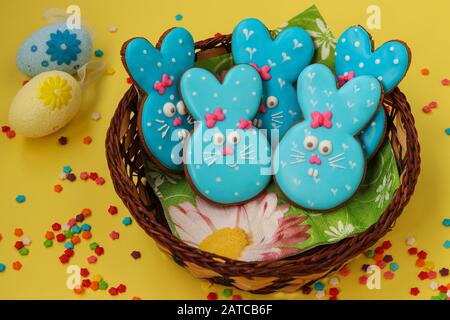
45, 104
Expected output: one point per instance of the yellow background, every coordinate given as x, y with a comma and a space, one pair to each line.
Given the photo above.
31, 167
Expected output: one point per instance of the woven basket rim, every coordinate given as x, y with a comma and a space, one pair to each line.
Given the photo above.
323, 258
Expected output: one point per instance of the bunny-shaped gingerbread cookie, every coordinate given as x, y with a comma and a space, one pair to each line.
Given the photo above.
355, 56
279, 63
320, 162
227, 160
163, 121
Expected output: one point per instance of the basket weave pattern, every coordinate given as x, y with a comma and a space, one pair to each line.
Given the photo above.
126, 163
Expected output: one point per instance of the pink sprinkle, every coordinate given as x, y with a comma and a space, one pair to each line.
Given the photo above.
92, 259
445, 82
381, 264
72, 222
389, 275
432, 275
84, 175
114, 235
100, 181
344, 271
362, 280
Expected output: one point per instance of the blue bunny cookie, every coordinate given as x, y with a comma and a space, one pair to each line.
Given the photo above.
389, 64
227, 160
279, 63
320, 162
163, 120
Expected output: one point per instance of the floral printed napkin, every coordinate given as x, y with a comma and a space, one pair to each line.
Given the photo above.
268, 227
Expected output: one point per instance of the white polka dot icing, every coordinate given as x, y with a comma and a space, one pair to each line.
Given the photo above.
319, 159
224, 136
389, 64
157, 73
279, 62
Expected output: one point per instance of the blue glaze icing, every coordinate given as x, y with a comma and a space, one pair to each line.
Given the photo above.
372, 135
164, 120
287, 55
328, 184
226, 164
389, 64
54, 47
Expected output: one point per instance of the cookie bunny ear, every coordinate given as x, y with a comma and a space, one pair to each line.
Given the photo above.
147, 65
354, 53
287, 55
238, 96
349, 108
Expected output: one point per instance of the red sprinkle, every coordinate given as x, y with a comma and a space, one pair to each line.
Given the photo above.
113, 210
5, 129
443, 289
433, 104
129, 80
386, 245
84, 176
122, 288
422, 255
93, 175
56, 227
426, 109
212, 296
414, 291
69, 252
344, 271
100, 181
113, 291
19, 245
362, 280
236, 297
445, 82
423, 275
379, 250
99, 251
217, 35
334, 291
84, 272
412, 251
60, 237
86, 283
64, 258
11, 134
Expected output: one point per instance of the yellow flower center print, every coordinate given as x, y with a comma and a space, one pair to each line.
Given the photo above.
55, 92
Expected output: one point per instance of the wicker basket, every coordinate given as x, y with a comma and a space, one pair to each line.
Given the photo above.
125, 161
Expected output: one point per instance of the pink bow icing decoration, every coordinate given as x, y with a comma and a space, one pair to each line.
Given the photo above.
263, 71
344, 79
165, 82
212, 118
321, 119
244, 124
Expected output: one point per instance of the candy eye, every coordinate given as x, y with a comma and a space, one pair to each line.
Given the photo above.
181, 108
310, 143
234, 137
271, 102
218, 139
325, 147
169, 109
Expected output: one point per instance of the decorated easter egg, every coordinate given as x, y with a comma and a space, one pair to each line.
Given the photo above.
45, 104
54, 47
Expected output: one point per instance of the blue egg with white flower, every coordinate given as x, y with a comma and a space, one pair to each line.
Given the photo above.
54, 47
